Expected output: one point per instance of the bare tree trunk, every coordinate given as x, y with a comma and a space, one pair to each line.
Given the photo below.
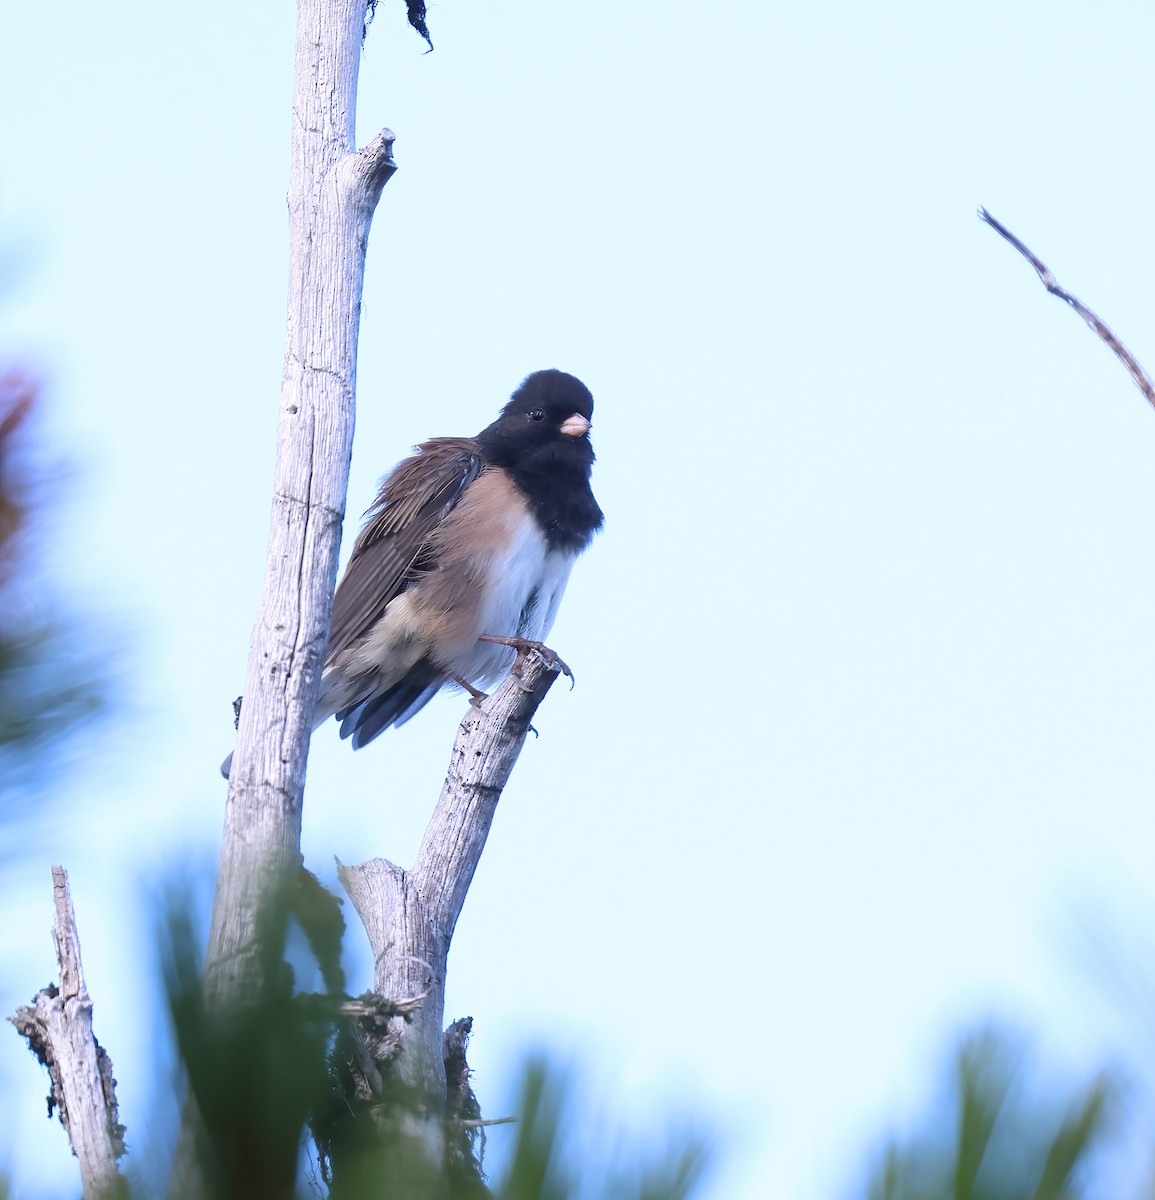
58, 1026
333, 191
410, 916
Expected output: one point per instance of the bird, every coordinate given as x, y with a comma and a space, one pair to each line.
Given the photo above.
468, 539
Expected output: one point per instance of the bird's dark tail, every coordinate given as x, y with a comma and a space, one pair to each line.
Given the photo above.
363, 722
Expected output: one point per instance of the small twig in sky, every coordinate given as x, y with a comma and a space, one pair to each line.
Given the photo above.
1142, 380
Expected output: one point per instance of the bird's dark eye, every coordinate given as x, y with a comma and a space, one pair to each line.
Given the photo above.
537, 415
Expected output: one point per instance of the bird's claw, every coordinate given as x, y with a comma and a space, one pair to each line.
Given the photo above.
524, 645
476, 695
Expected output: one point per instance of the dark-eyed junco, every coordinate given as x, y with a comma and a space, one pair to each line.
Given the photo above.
469, 537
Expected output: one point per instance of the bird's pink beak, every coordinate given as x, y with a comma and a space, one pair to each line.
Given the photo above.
575, 426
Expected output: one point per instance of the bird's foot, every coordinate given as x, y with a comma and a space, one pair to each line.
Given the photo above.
524, 645
227, 765
475, 694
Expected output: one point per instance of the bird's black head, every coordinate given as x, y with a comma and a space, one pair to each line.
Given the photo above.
543, 439
546, 423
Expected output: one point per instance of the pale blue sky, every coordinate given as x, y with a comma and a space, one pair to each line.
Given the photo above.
864, 654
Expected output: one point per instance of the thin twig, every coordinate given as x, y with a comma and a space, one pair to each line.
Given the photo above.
1142, 380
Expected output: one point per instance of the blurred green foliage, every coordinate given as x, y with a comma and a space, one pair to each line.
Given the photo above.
550, 1161
274, 1075
51, 682
1001, 1136
47, 689
286, 1111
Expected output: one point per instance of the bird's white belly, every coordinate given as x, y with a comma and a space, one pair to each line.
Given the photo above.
522, 596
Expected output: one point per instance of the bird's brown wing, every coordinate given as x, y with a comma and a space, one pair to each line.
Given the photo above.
412, 502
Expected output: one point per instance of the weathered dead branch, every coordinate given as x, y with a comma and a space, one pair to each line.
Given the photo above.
82, 1091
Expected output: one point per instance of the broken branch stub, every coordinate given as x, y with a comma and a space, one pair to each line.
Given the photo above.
82, 1091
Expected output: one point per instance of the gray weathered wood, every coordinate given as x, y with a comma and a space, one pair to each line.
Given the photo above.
410, 916
58, 1026
333, 191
